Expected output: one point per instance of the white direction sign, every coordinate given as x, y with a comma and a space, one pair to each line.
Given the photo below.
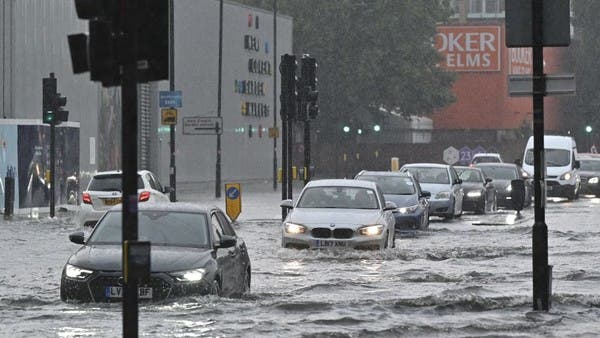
556, 84
202, 125
451, 155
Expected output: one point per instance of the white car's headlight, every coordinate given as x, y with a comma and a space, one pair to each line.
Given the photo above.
75, 272
566, 176
293, 228
371, 230
194, 275
408, 210
509, 188
474, 194
593, 180
443, 195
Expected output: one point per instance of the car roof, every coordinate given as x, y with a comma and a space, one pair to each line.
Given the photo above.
341, 183
172, 206
487, 154
494, 164
384, 173
117, 172
430, 165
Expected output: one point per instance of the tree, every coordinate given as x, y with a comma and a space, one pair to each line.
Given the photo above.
371, 53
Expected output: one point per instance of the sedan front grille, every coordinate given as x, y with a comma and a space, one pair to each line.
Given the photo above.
160, 286
343, 233
321, 233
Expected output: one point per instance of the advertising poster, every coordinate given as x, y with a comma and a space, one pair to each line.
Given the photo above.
8, 160
34, 165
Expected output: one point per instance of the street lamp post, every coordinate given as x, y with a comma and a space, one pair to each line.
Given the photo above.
588, 130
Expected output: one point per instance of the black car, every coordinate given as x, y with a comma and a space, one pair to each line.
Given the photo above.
404, 190
479, 192
589, 171
502, 174
194, 251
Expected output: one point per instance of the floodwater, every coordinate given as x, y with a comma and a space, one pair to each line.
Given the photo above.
459, 279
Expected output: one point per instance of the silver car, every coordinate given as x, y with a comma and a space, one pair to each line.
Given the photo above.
104, 191
443, 183
339, 214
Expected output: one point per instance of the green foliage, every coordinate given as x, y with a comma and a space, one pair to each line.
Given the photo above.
371, 53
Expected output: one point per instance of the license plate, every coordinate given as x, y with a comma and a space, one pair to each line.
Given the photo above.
549, 188
331, 244
112, 201
117, 292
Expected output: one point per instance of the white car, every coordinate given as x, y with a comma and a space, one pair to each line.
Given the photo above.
104, 191
339, 214
486, 158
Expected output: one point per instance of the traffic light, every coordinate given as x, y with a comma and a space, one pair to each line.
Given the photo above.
289, 81
52, 102
100, 51
310, 94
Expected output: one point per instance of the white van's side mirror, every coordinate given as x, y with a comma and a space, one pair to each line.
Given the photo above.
576, 164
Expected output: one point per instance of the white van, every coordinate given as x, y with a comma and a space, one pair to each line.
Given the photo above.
562, 176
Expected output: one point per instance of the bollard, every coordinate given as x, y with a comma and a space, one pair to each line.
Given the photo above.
9, 193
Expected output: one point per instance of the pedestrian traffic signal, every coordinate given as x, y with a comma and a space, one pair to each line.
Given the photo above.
289, 82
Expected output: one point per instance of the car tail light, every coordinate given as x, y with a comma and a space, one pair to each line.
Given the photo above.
86, 198
144, 196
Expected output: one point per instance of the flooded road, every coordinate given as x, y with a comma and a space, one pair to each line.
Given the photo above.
469, 277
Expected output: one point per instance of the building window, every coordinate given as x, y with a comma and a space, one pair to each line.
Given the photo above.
491, 6
475, 6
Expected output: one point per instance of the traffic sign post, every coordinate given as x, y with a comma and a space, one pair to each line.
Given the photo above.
539, 23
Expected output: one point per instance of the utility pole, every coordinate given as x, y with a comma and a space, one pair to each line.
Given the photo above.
218, 165
275, 94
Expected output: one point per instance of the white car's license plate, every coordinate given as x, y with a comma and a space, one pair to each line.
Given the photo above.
331, 244
117, 292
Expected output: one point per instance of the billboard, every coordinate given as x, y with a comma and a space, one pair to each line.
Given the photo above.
469, 48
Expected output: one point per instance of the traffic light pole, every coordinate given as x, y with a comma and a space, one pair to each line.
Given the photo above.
306, 150
284, 158
220, 70
541, 270
172, 168
52, 166
129, 131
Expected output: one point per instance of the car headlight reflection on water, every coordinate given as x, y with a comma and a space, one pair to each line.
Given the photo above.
77, 273
194, 275
293, 228
371, 230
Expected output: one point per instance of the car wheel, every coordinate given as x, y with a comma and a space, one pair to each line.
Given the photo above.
484, 207
387, 239
216, 288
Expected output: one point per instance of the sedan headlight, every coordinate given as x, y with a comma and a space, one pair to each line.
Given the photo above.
371, 230
474, 194
443, 195
566, 176
77, 273
194, 275
408, 210
293, 228
593, 180
509, 188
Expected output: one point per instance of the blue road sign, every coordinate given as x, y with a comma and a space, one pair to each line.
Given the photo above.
232, 193
168, 99
464, 155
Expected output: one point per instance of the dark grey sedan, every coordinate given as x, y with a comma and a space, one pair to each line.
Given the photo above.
194, 251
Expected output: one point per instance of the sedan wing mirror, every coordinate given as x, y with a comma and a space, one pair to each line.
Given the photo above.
488, 180
227, 242
390, 206
289, 204
425, 194
458, 181
77, 237
577, 164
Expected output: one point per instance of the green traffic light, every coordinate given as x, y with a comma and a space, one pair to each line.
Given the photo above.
588, 129
346, 129
377, 127
49, 117
359, 131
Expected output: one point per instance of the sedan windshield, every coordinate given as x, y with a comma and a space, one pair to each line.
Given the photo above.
430, 175
159, 227
500, 173
470, 175
338, 197
392, 185
590, 165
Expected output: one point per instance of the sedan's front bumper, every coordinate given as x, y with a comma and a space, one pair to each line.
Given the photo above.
94, 288
339, 238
